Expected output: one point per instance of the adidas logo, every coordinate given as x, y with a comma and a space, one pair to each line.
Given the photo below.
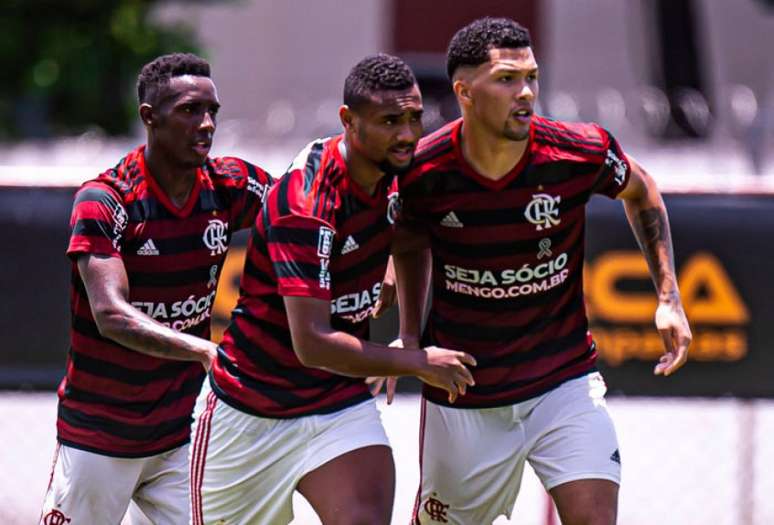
349, 245
616, 457
148, 248
451, 221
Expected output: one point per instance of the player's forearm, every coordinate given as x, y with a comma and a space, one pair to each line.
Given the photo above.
345, 354
133, 329
648, 219
413, 273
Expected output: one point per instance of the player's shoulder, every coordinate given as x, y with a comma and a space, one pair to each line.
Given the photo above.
310, 185
433, 151
561, 140
437, 143
122, 182
235, 172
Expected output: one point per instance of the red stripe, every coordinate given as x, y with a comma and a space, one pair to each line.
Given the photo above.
198, 457
422, 421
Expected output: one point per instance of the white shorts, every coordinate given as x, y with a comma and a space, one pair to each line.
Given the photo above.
472, 460
245, 468
87, 488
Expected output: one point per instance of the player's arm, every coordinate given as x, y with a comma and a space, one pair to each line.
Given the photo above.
647, 216
107, 286
318, 345
413, 267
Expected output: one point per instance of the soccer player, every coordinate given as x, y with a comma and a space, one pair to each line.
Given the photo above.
286, 407
149, 238
501, 195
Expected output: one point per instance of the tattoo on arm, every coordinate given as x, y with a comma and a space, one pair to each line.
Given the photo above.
651, 228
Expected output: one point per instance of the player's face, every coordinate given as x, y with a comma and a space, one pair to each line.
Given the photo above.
503, 92
387, 129
186, 120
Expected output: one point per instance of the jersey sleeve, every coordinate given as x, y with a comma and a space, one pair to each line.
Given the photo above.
248, 185
97, 222
615, 170
300, 249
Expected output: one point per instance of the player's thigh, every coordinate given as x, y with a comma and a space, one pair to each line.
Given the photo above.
89, 488
349, 475
471, 464
163, 491
243, 468
572, 439
357, 487
587, 502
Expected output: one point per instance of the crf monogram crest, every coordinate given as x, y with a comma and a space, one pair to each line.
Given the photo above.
542, 211
55, 517
436, 510
393, 207
215, 236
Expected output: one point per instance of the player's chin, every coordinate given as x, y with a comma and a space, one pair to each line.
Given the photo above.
401, 164
517, 133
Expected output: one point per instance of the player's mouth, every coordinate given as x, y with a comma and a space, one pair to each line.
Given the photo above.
202, 147
402, 154
522, 115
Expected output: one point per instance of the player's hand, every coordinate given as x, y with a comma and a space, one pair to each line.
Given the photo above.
446, 369
387, 294
209, 355
375, 383
676, 334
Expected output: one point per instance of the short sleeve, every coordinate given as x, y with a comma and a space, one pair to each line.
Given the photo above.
97, 222
248, 185
300, 249
615, 170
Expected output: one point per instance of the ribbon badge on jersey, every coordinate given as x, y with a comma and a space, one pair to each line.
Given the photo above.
543, 211
393, 207
213, 276
545, 248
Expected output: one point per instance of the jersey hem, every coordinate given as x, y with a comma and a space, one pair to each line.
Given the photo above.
113, 454
513, 401
233, 403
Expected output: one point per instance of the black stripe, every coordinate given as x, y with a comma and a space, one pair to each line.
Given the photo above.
286, 269
515, 385
154, 432
293, 235
363, 266
166, 279
481, 332
568, 147
312, 164
557, 172
188, 389
281, 200
559, 133
504, 248
167, 370
93, 227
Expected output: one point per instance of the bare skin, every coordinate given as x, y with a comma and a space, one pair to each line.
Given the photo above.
357, 497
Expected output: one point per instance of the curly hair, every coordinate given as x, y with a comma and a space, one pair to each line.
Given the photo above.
157, 73
376, 73
470, 45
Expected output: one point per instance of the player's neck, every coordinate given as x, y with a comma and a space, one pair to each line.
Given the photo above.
361, 170
177, 182
491, 156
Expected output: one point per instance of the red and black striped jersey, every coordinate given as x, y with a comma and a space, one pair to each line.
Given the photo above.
318, 235
114, 400
508, 255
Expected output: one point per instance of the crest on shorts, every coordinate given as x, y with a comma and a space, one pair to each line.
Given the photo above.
55, 517
436, 509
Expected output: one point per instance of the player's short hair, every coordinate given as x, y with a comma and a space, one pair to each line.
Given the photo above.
470, 45
158, 72
376, 73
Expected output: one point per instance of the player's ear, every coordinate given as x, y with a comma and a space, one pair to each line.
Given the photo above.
146, 114
461, 89
347, 117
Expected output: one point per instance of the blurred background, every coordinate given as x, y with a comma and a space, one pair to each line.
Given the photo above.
687, 87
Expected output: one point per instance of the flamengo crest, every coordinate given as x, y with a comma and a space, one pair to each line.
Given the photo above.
215, 236
542, 211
